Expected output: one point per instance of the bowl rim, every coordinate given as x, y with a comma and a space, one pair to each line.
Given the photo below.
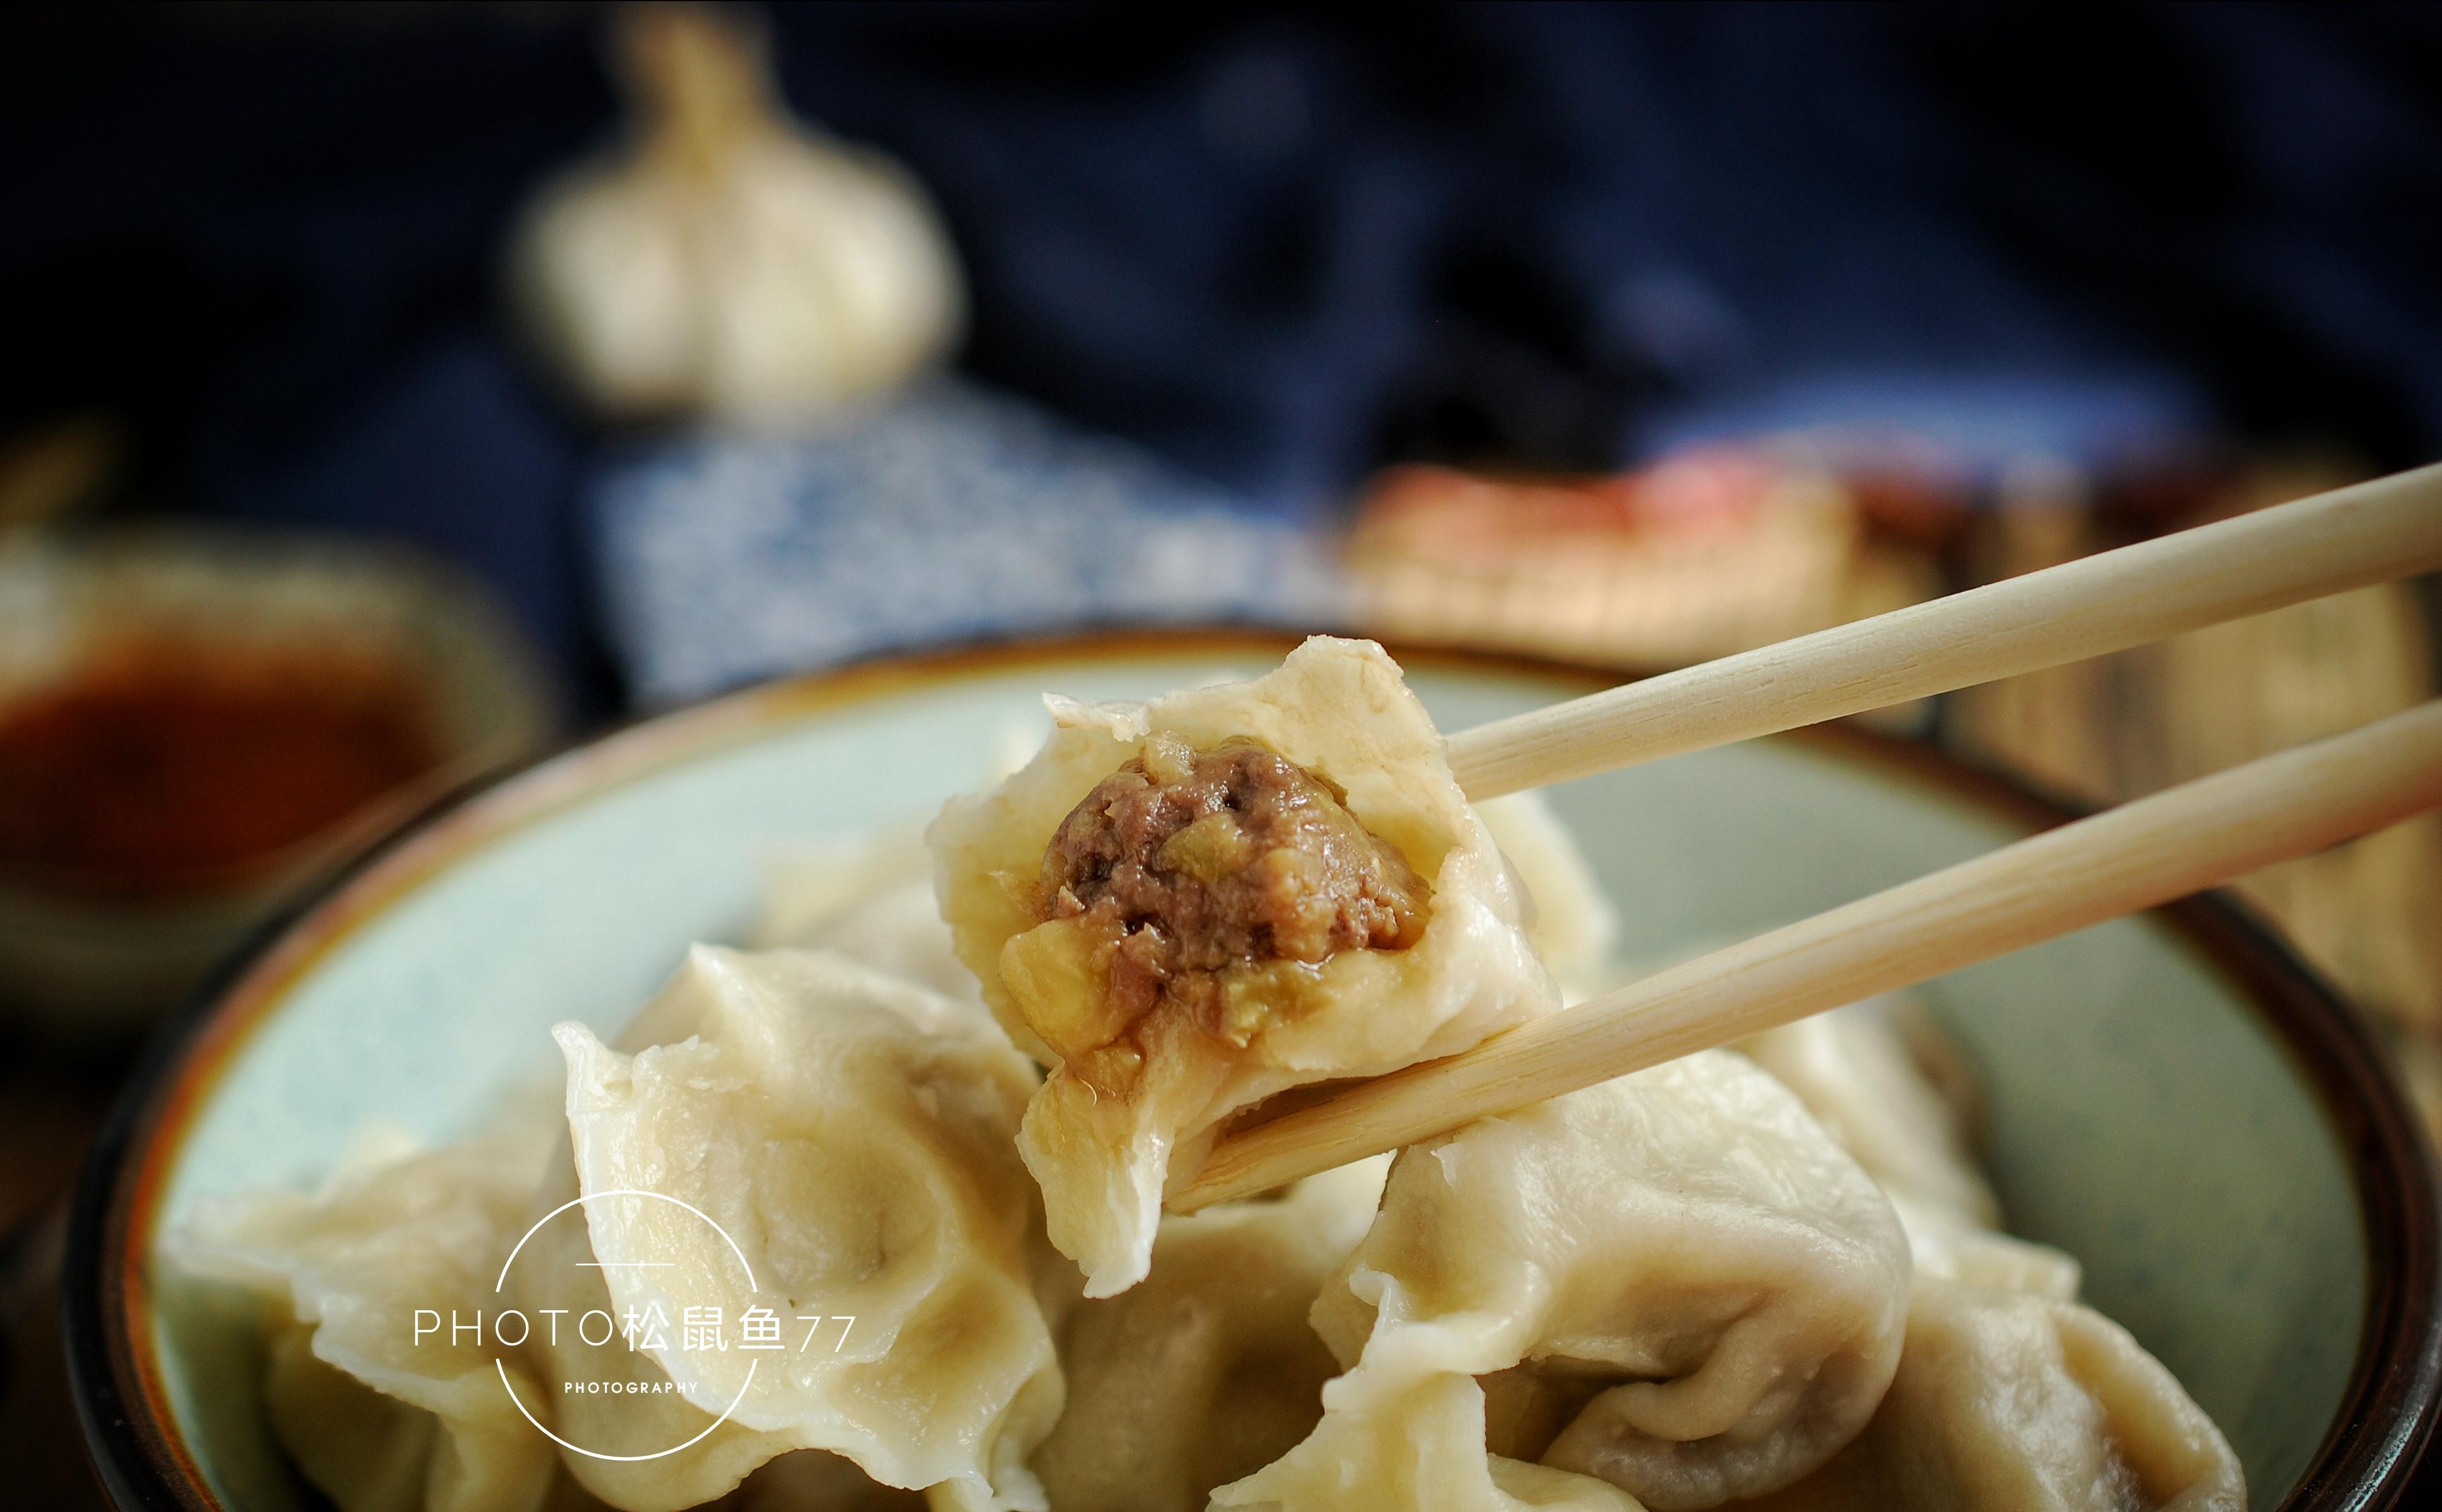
2368, 1455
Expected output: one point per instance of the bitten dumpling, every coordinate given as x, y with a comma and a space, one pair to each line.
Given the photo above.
1672, 1286
383, 1406
852, 1135
1209, 1370
2015, 1399
1185, 906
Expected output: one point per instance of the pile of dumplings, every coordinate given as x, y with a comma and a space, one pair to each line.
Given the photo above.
1767, 1277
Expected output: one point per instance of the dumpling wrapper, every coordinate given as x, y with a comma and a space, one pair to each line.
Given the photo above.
1415, 1445
380, 1417
1866, 1072
1857, 1069
871, 901
1946, 1247
812, 1480
2015, 1399
1575, 924
1673, 1282
2009, 1392
870, 897
1209, 1369
854, 1135
1336, 707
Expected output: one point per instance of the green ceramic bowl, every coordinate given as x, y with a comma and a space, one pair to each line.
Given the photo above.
2172, 1098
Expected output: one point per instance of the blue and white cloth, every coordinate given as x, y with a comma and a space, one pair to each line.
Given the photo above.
951, 514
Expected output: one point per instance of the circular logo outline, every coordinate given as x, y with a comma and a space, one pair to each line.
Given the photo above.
503, 1365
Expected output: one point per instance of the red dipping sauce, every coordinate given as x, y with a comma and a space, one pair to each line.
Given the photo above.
167, 768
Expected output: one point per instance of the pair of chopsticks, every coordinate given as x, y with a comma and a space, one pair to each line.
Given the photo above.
2167, 845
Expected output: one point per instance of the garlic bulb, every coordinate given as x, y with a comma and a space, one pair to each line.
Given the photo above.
730, 262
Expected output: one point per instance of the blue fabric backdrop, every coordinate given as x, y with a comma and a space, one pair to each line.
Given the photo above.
1273, 248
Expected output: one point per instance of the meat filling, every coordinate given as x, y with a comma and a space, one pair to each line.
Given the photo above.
1187, 864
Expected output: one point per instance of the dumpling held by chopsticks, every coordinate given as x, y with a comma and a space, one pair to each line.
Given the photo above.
1185, 906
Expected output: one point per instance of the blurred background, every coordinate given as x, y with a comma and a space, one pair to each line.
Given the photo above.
395, 391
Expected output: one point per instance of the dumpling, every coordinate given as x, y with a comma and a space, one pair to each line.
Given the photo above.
1575, 924
2014, 1399
2009, 1392
851, 1137
1883, 1083
1185, 906
1208, 1370
1672, 1286
871, 901
383, 1405
1861, 1070
612, 1406
870, 898
1946, 1247
1413, 1444
812, 1480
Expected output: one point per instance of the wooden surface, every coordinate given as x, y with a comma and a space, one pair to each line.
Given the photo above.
2367, 533
2368, 914
2170, 845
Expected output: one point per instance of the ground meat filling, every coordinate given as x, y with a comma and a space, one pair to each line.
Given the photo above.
1195, 861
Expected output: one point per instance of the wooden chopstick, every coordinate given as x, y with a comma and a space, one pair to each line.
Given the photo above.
2368, 533
2140, 855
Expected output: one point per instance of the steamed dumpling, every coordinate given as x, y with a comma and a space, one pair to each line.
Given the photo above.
1397, 933
871, 901
869, 898
1575, 924
2009, 1392
1946, 1247
2014, 1399
382, 1406
1864, 1072
1859, 1069
812, 1480
853, 1136
1209, 1370
614, 1401
1673, 1285
1413, 1444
